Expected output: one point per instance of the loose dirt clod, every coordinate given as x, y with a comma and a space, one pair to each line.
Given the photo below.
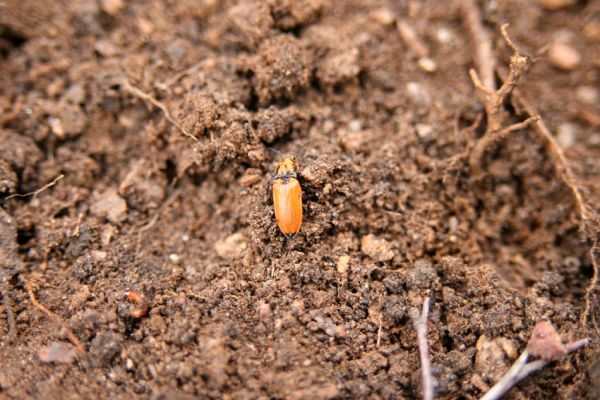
58, 352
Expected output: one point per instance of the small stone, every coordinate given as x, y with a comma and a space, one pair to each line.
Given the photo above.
110, 205
588, 95
377, 248
444, 35
418, 94
342, 264
424, 131
59, 352
355, 125
232, 247
384, 16
106, 48
565, 134
56, 127
553, 5
563, 56
175, 258
112, 7
427, 64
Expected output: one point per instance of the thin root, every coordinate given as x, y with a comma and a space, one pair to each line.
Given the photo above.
493, 137
55, 317
146, 97
40, 190
420, 325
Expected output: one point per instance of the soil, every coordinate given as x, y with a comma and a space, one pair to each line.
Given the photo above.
156, 246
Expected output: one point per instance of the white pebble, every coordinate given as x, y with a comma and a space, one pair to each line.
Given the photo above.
587, 94
565, 134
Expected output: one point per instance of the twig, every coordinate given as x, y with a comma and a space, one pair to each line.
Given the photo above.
40, 190
492, 137
146, 97
55, 317
560, 161
10, 316
484, 59
521, 369
420, 325
493, 103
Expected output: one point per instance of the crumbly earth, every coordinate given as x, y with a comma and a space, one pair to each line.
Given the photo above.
175, 204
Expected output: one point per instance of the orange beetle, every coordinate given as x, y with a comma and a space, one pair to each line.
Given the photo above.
287, 197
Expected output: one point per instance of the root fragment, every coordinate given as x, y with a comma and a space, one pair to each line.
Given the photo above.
128, 87
55, 317
420, 325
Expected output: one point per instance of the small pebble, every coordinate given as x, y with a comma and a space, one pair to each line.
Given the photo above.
564, 56
444, 35
565, 134
342, 264
384, 16
355, 125
553, 5
112, 7
587, 94
424, 131
427, 64
417, 93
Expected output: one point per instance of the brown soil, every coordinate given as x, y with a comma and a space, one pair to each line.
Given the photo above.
174, 205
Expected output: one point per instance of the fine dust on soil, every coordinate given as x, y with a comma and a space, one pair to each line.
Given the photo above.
391, 213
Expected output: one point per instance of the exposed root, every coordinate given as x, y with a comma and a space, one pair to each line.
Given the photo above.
128, 87
40, 190
493, 137
484, 59
55, 317
493, 102
420, 324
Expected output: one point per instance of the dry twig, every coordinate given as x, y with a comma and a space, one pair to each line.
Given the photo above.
493, 100
40, 190
420, 323
55, 317
128, 87
484, 59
